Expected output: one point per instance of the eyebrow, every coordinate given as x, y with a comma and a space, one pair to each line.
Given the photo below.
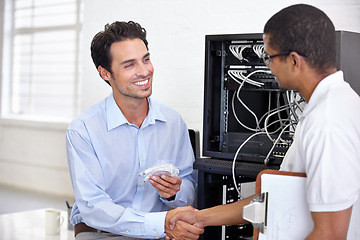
132, 60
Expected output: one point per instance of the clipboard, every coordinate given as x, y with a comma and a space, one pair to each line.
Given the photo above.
279, 209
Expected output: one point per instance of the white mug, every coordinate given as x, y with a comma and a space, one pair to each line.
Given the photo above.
53, 222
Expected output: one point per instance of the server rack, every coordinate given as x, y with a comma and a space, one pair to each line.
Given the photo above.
231, 99
225, 56
240, 95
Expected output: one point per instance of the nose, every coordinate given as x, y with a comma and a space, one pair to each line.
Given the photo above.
143, 69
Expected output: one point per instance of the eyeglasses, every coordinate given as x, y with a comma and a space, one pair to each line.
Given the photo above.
267, 58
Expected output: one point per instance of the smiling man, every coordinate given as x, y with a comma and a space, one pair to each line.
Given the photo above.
128, 132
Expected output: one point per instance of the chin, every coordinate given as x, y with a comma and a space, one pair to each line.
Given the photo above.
280, 84
147, 94
282, 87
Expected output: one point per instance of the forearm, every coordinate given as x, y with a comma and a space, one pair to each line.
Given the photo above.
228, 214
111, 218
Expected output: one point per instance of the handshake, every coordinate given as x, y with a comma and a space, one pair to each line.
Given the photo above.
188, 223
182, 224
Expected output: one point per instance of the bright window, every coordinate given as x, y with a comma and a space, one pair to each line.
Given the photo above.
42, 45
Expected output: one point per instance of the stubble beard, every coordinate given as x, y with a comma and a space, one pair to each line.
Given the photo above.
130, 93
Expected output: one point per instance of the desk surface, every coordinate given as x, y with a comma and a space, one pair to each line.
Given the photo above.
29, 225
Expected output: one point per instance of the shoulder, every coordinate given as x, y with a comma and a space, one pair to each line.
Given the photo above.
93, 113
333, 103
168, 112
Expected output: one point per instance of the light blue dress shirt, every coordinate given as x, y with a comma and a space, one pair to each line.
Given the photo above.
106, 154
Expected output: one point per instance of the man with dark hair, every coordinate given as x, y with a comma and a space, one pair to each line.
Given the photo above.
300, 51
115, 32
128, 132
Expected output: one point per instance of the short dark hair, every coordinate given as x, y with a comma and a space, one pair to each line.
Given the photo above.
307, 30
114, 32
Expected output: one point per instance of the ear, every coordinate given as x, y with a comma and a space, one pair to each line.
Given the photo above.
104, 74
296, 60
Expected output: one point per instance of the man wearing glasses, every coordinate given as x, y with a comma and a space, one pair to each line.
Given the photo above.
300, 51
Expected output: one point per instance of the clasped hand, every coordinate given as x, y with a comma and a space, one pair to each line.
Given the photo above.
177, 226
181, 224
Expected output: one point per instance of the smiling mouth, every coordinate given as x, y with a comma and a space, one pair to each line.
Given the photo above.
142, 83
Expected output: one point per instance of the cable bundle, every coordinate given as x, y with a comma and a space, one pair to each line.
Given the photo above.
293, 107
237, 50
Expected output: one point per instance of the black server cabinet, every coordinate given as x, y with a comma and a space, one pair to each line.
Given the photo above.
240, 95
222, 134
238, 85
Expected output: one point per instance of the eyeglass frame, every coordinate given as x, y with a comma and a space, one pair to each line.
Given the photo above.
267, 58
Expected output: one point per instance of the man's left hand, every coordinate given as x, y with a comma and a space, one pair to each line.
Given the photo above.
166, 186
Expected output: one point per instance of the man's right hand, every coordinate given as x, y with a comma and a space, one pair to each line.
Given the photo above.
179, 229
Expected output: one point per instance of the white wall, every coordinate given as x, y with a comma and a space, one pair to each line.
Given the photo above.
34, 157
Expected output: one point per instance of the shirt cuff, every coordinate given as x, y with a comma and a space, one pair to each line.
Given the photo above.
332, 207
155, 224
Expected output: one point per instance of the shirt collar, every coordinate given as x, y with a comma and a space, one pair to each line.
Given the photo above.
154, 113
115, 117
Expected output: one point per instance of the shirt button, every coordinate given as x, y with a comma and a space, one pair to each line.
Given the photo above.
142, 158
141, 184
155, 232
126, 230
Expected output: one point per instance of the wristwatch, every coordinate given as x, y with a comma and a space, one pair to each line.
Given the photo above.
171, 198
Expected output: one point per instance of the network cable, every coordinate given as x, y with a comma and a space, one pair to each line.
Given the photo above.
237, 50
